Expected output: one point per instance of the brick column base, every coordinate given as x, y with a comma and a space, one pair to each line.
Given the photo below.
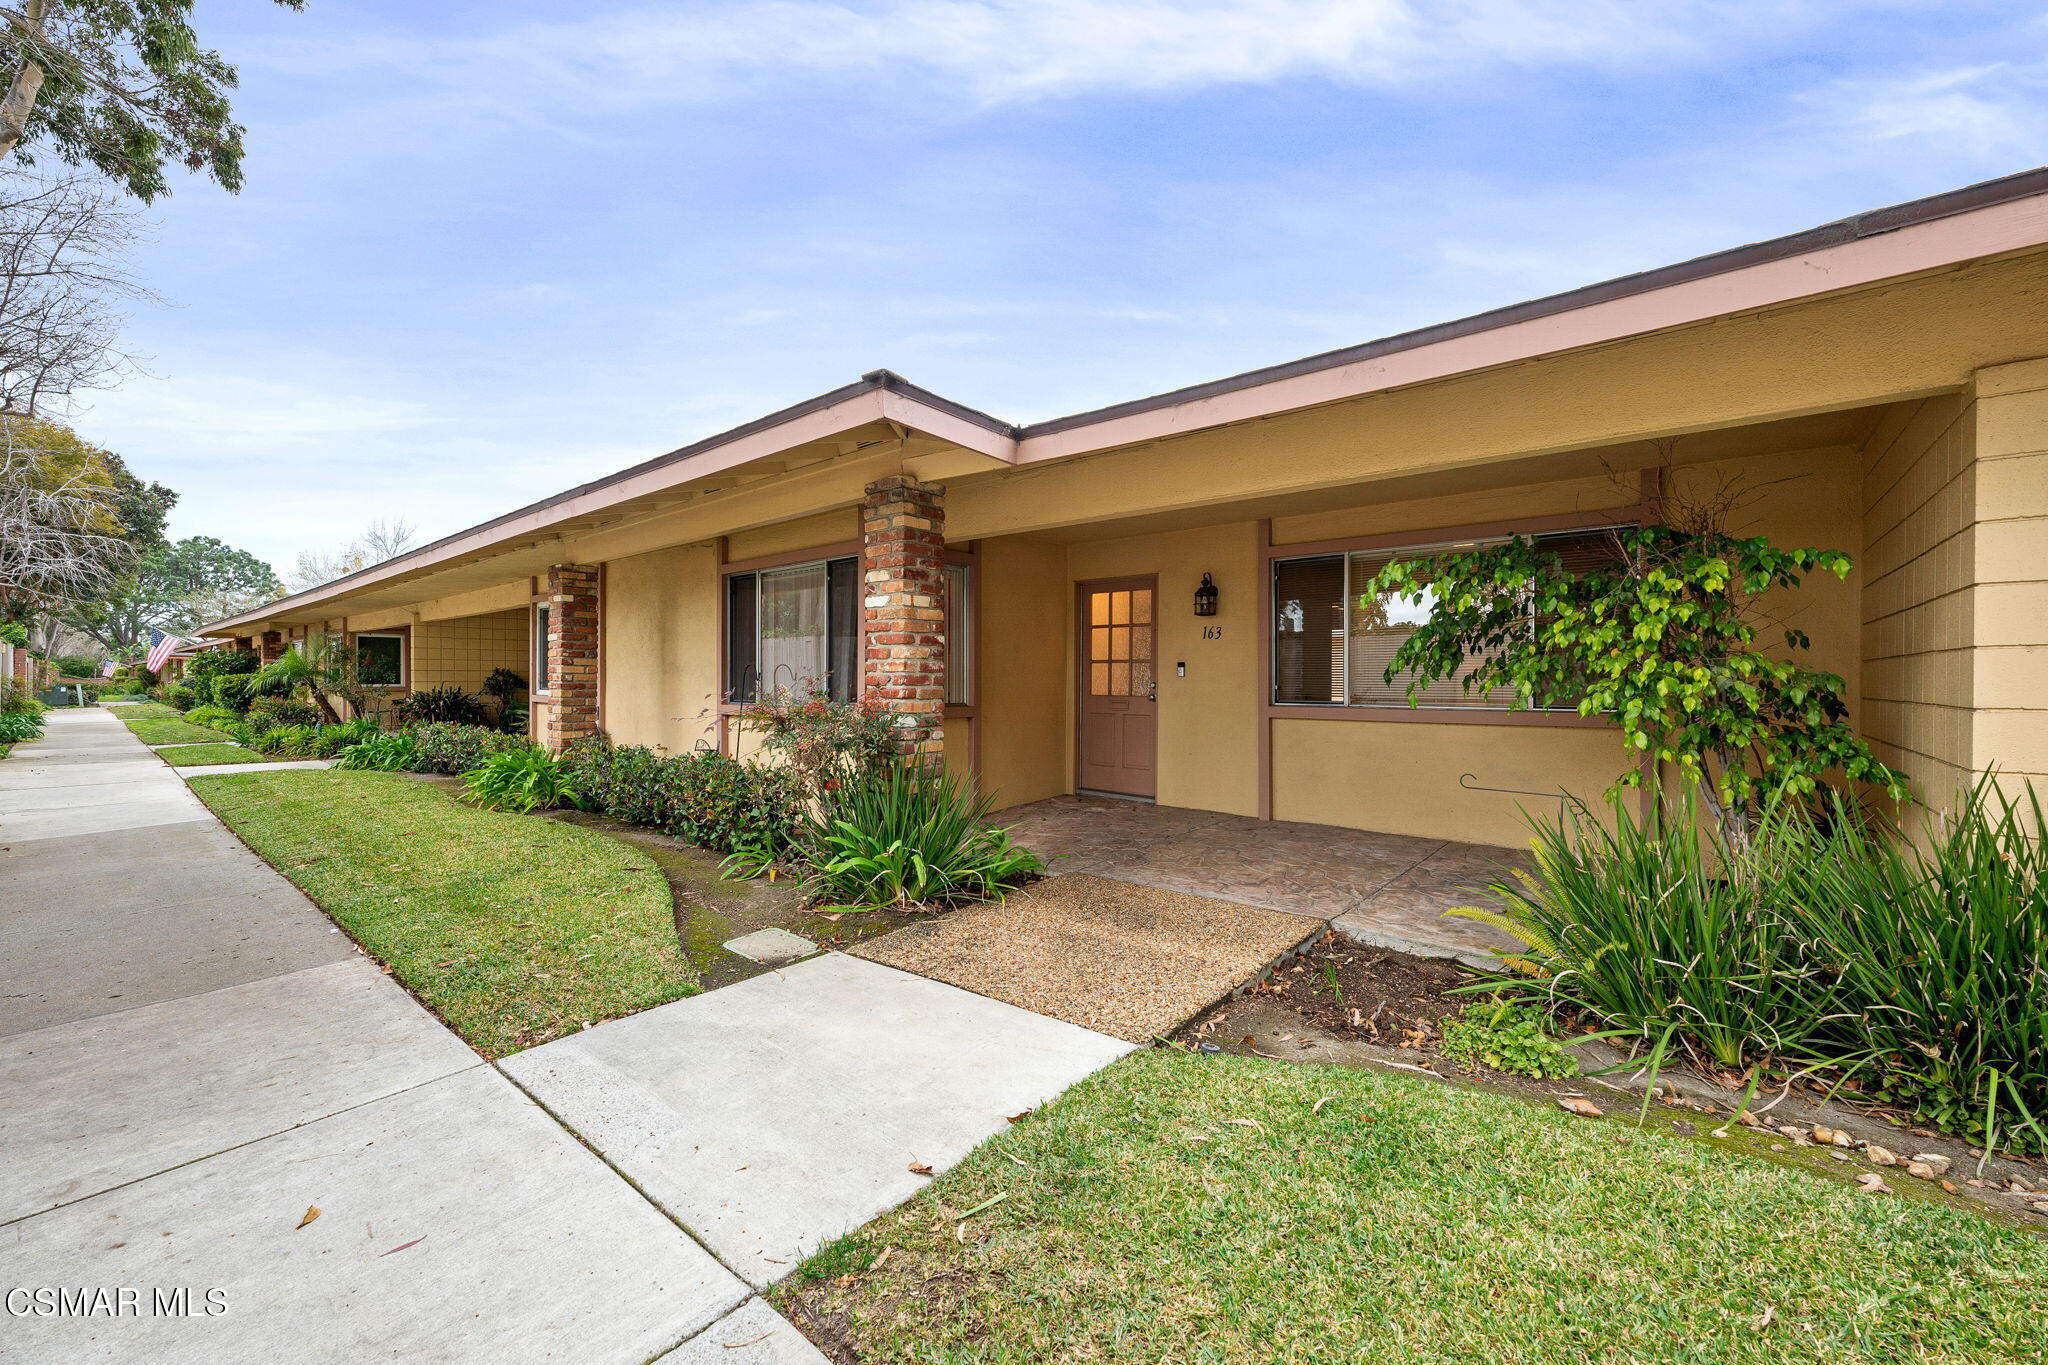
903, 613
270, 646
572, 655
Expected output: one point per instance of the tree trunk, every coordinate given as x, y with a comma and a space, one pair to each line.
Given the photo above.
20, 100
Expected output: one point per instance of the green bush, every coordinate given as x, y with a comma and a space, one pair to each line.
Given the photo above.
1508, 1037
211, 717
707, 799
522, 780
266, 712
182, 695
442, 705
18, 727
287, 741
450, 748
14, 633
1830, 943
233, 690
396, 752
907, 837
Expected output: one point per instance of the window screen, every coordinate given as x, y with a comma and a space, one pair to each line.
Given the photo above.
959, 636
540, 649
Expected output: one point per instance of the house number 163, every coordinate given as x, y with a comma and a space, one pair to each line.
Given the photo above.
1212, 632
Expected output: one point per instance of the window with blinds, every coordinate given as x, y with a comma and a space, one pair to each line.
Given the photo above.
1332, 646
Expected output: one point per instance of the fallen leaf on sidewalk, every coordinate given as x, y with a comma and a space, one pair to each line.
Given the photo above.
312, 1212
918, 1168
735, 1345
1017, 1118
1571, 1104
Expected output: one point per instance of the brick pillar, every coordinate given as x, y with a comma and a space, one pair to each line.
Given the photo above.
270, 646
572, 655
903, 613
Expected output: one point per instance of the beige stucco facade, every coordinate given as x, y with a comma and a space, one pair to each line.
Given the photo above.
1901, 417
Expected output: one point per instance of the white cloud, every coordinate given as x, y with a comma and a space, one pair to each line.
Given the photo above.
1001, 51
1991, 112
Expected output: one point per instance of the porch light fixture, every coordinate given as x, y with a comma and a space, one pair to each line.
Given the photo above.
1205, 597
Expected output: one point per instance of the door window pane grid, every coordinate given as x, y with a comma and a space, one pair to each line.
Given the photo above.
1120, 643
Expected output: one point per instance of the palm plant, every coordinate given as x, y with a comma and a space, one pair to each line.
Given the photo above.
320, 671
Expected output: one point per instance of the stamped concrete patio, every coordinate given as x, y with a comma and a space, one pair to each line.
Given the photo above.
1389, 890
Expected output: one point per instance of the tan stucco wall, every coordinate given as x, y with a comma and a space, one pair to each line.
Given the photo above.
787, 537
661, 647
463, 651
1025, 683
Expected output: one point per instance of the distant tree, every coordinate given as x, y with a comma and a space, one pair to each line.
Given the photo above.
61, 541
63, 276
122, 86
379, 541
175, 587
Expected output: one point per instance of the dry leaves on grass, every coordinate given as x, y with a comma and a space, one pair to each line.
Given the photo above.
1572, 1104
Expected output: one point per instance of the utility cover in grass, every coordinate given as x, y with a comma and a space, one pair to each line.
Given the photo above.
1130, 961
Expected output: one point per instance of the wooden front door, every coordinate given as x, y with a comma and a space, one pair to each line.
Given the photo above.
1117, 706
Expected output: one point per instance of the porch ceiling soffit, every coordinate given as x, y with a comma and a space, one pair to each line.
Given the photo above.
1842, 430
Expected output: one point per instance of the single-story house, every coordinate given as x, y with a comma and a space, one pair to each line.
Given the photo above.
1032, 600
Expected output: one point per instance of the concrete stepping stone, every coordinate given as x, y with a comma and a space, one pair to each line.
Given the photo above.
771, 946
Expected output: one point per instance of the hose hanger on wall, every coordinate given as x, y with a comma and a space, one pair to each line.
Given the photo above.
1470, 782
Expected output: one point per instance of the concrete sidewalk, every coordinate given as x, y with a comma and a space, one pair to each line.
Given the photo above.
191, 1058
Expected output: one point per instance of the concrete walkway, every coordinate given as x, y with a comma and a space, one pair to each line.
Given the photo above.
192, 1058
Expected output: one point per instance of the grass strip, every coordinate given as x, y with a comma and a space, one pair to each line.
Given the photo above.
147, 710
174, 732
514, 929
1215, 1209
203, 755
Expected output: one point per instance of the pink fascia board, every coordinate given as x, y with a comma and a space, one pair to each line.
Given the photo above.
2013, 226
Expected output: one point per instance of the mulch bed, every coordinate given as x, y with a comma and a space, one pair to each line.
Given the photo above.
1375, 995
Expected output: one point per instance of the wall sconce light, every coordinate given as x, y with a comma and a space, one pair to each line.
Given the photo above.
1205, 597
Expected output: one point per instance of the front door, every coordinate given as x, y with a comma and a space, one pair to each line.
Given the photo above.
1118, 697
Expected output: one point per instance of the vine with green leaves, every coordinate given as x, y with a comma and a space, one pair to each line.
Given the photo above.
1666, 639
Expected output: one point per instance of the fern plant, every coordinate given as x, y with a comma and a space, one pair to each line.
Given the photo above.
524, 780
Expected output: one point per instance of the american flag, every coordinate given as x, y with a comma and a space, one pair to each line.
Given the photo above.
160, 647
109, 668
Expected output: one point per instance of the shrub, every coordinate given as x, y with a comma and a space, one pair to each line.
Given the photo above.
233, 690
522, 780
707, 799
1829, 942
184, 696
396, 752
222, 663
442, 705
14, 633
294, 741
17, 727
330, 740
266, 712
1508, 1037
903, 837
449, 748
16, 700
211, 717
826, 743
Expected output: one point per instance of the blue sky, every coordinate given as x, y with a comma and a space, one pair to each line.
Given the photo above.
488, 250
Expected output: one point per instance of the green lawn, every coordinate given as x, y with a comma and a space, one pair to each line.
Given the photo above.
146, 710
1179, 1208
514, 929
173, 732
203, 755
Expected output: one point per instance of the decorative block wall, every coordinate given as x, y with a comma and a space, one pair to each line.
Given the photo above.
464, 650
573, 611
903, 611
